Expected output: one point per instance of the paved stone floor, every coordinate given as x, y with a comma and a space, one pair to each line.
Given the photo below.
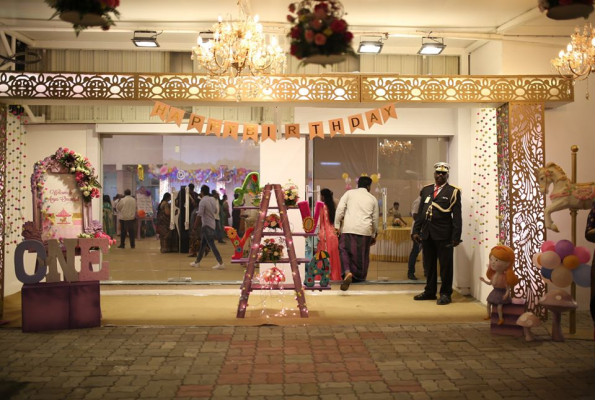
460, 361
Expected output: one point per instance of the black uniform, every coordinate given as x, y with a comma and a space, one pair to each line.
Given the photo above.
439, 223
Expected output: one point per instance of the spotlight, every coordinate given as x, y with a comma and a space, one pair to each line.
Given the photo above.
431, 46
370, 46
145, 39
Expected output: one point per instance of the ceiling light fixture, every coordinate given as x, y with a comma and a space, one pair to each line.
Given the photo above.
579, 59
145, 39
431, 46
392, 147
239, 45
370, 46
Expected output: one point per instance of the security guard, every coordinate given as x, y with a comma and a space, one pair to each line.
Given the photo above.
438, 228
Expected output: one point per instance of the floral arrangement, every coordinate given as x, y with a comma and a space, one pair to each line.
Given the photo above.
80, 166
318, 29
270, 251
273, 277
272, 221
290, 194
566, 9
98, 235
101, 8
547, 4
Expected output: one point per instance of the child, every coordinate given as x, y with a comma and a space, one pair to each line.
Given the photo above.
502, 277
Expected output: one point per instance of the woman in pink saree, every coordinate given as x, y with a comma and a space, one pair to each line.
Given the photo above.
327, 240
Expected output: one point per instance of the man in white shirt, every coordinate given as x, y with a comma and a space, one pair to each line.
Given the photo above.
127, 214
358, 210
207, 210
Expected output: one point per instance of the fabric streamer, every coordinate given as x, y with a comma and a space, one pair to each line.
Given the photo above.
172, 211
308, 222
187, 210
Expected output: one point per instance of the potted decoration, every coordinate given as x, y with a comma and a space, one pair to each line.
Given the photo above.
270, 251
290, 194
319, 34
566, 9
85, 13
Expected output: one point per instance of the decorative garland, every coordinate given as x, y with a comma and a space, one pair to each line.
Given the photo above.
223, 174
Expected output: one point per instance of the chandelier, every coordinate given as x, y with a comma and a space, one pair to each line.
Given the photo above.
237, 46
578, 61
392, 147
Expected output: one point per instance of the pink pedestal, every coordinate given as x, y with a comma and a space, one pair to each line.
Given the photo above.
510, 313
60, 305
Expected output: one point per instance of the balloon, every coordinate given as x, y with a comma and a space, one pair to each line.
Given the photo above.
546, 273
347, 187
564, 248
379, 175
571, 262
561, 277
548, 245
536, 260
550, 260
582, 275
141, 213
348, 181
374, 178
583, 254
345, 175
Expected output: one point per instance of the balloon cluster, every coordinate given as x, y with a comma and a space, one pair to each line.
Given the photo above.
375, 178
561, 263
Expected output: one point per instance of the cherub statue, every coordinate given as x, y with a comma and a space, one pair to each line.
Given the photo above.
502, 277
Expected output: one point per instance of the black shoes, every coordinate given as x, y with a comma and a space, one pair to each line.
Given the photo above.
424, 296
411, 277
120, 247
444, 300
347, 281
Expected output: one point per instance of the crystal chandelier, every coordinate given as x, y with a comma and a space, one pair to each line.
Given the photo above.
392, 147
578, 61
239, 45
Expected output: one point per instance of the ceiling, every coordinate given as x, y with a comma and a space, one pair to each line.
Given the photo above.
464, 24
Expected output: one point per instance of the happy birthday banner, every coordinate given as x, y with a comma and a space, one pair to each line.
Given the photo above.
316, 129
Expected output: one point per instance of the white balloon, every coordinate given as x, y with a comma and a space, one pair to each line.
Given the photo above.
535, 258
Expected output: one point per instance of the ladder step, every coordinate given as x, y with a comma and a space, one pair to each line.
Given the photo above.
289, 286
269, 208
292, 234
281, 261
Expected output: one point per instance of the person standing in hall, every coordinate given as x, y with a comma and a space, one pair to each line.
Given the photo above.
438, 228
207, 210
327, 239
127, 215
358, 211
416, 247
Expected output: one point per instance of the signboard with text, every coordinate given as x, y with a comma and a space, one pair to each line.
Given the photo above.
62, 211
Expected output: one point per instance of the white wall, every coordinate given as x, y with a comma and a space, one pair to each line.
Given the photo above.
487, 60
280, 162
43, 141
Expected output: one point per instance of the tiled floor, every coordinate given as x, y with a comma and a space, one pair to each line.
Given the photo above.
459, 361
147, 263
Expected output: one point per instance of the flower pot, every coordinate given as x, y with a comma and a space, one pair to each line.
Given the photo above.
324, 60
570, 11
75, 18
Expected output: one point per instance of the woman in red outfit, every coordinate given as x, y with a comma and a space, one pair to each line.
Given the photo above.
327, 240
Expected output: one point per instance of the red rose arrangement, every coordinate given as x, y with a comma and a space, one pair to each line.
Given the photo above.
319, 29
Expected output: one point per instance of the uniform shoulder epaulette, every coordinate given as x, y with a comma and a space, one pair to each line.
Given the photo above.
456, 187
431, 184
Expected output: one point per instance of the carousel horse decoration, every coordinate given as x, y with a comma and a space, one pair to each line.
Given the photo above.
250, 186
565, 194
308, 222
238, 244
312, 270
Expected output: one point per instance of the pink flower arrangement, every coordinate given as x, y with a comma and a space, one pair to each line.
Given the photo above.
319, 29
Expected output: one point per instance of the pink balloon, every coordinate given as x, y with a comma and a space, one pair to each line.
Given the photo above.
564, 248
548, 245
583, 254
